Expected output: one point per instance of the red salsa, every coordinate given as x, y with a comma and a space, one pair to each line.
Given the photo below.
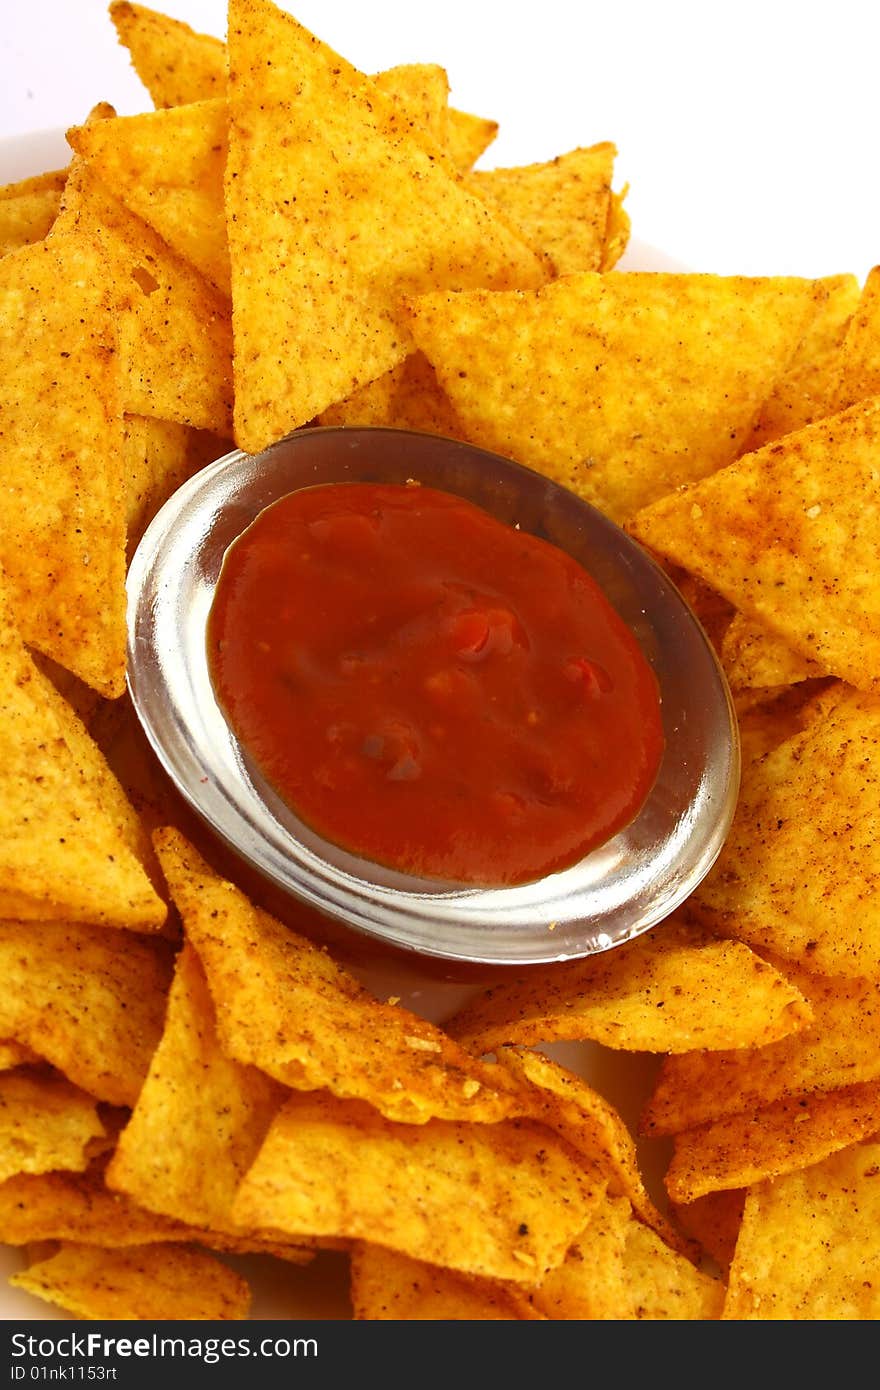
429, 688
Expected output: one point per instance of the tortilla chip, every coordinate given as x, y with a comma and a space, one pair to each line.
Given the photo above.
713, 1221
800, 870
159, 456
387, 1286
148, 1283
560, 207
769, 717
45, 1123
782, 534
621, 387
28, 209
501, 1201
753, 656
808, 389
71, 846
468, 137
61, 519
670, 990
794, 1133
808, 1248
409, 397
327, 230
175, 64
216, 1110
860, 355
90, 1001
617, 231
14, 1054
841, 1047
422, 90
565, 1103
80, 1207
167, 167
303, 1019
619, 1269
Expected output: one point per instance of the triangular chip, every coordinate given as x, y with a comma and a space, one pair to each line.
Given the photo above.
561, 207
198, 1113
621, 387
782, 534
159, 456
808, 1246
71, 844
841, 1047
91, 1001
387, 1286
860, 354
29, 208
670, 990
284, 1005
408, 397
45, 1123
800, 870
321, 170
144, 1283
753, 656
175, 64
502, 1201
62, 526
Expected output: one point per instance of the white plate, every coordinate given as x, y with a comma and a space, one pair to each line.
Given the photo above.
320, 1290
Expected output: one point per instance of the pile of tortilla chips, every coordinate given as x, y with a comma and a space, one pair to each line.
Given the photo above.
187, 1074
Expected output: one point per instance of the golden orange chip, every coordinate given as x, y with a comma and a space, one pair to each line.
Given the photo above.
754, 656
799, 557
71, 845
621, 387
672, 989
28, 209
409, 397
303, 1019
175, 64
794, 1133
62, 441
576, 1112
620, 1269
502, 1201
422, 90
561, 207
617, 231
159, 456
768, 717
90, 1001
217, 1111
468, 137
783, 881
860, 355
713, 1221
148, 1283
808, 1244
14, 1054
388, 1286
45, 1123
334, 211
841, 1047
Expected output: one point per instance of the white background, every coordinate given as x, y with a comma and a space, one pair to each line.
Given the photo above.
748, 132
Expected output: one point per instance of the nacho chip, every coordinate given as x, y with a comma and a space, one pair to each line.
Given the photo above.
794, 1133
29, 208
71, 846
409, 397
90, 1001
334, 211
619, 1269
45, 1123
560, 207
713, 1221
621, 387
565, 1103
389, 1287
159, 456
841, 1047
167, 167
782, 534
769, 717
670, 990
617, 231
149, 1283
217, 1111
175, 64
303, 1019
753, 656
468, 137
807, 1248
422, 91
14, 1054
501, 1201
62, 528
860, 355
799, 872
